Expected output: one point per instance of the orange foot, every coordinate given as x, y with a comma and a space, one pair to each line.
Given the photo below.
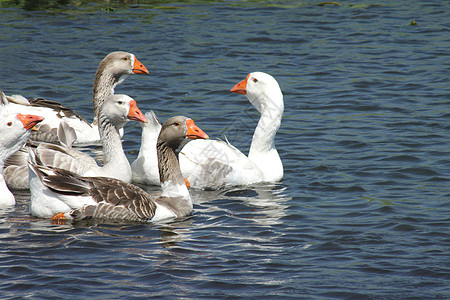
58, 216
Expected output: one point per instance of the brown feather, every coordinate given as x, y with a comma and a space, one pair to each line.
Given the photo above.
41, 102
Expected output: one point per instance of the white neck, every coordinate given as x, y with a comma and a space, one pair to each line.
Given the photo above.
9, 149
262, 150
6, 197
115, 161
271, 110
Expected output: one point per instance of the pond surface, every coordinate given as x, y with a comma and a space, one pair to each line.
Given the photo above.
363, 210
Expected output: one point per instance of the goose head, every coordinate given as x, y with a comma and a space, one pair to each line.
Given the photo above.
14, 131
118, 65
120, 62
173, 132
261, 89
119, 109
153, 124
176, 129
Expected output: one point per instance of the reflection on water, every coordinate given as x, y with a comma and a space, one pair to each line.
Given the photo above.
264, 204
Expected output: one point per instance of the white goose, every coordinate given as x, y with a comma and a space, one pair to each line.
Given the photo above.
113, 115
211, 164
14, 132
145, 167
112, 70
70, 196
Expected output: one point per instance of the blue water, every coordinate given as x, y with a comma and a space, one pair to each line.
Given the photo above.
363, 210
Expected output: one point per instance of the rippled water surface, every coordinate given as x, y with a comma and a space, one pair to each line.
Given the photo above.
363, 210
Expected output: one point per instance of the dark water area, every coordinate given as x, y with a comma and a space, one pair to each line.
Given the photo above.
363, 210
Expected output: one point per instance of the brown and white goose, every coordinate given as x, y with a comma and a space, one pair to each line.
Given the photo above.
76, 197
112, 70
14, 132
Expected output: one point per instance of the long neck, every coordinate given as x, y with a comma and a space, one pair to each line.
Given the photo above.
112, 146
271, 114
6, 197
169, 168
172, 181
104, 85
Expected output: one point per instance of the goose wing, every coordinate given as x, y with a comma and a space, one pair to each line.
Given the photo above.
114, 199
214, 163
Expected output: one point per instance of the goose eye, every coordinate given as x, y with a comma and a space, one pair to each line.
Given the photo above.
176, 124
9, 124
120, 102
125, 58
255, 80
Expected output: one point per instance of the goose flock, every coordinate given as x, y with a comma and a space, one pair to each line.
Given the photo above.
39, 139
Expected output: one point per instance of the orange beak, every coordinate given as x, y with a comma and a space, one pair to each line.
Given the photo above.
193, 132
241, 87
29, 121
135, 113
139, 68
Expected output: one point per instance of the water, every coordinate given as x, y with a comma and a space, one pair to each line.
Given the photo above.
363, 210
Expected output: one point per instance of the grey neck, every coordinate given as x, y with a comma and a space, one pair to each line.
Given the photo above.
168, 165
104, 85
